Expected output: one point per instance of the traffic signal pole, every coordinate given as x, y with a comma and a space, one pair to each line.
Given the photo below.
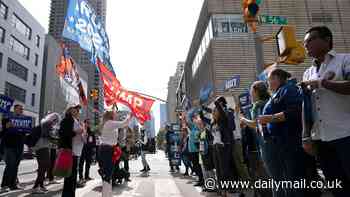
259, 54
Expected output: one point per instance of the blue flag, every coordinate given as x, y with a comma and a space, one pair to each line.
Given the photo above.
5, 104
82, 25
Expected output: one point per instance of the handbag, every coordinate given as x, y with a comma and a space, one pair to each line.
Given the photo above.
64, 163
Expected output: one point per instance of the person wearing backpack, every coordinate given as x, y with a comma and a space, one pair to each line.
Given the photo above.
41, 148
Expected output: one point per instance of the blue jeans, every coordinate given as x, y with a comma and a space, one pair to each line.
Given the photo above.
284, 162
335, 163
12, 157
105, 162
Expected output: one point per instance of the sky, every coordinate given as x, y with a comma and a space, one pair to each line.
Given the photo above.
147, 39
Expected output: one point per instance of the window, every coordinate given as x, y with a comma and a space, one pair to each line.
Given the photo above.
3, 10
21, 26
33, 100
225, 27
15, 92
36, 59
1, 60
34, 79
2, 35
17, 69
18, 47
37, 41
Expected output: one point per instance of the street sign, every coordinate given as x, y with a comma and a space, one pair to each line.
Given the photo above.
232, 83
272, 20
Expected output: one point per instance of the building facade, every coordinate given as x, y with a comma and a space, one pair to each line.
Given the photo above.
163, 115
58, 93
21, 56
173, 84
223, 45
56, 24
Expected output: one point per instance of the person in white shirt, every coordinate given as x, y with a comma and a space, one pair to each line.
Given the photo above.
109, 137
329, 80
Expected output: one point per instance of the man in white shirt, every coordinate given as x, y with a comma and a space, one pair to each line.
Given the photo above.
329, 80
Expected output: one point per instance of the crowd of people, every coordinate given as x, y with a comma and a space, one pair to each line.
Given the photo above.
108, 147
293, 129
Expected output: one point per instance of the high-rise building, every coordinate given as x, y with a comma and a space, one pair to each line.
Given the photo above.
21, 56
56, 24
163, 115
172, 97
223, 45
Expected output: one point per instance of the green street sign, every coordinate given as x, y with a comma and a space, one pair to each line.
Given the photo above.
272, 20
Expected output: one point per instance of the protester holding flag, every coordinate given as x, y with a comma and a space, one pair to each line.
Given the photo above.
13, 150
70, 131
109, 137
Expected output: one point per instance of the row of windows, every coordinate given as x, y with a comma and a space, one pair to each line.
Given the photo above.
219, 26
3, 10
21, 26
16, 22
202, 48
20, 71
18, 47
2, 35
17, 93
17, 69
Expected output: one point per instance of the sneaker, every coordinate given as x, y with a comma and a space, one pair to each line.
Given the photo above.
4, 189
143, 170
80, 184
37, 191
89, 179
44, 189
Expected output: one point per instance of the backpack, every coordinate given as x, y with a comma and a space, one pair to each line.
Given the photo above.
33, 137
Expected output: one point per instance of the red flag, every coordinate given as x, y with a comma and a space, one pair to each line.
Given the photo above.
139, 105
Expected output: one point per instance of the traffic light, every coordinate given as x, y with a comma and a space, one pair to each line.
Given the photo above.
250, 11
94, 94
289, 49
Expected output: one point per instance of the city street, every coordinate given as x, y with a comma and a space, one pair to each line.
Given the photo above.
160, 183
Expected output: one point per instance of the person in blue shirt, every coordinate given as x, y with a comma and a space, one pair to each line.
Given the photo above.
281, 127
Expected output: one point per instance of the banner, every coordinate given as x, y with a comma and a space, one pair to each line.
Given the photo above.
82, 25
245, 104
21, 123
66, 70
174, 140
5, 104
205, 93
139, 105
